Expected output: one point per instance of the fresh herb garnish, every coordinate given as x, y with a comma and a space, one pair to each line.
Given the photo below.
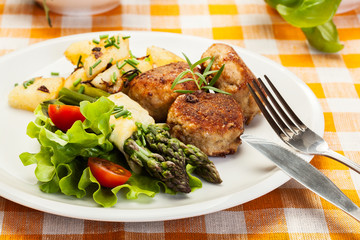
54, 74
113, 78
130, 75
125, 37
79, 62
28, 83
95, 41
121, 66
119, 111
201, 80
133, 63
96, 63
104, 36
76, 82
131, 54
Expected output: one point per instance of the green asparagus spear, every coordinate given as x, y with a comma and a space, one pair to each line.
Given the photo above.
159, 140
70, 97
169, 172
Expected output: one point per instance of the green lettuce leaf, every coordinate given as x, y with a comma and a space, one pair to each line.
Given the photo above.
62, 159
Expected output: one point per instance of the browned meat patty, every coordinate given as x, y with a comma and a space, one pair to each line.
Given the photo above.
152, 89
212, 122
234, 77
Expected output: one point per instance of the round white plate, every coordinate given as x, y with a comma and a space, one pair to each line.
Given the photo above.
246, 175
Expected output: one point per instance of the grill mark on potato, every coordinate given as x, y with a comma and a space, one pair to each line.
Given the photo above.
44, 89
97, 52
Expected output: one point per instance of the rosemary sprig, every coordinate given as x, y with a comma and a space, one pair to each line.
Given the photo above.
199, 79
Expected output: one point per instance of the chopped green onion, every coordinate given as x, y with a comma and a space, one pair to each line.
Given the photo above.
90, 71
54, 74
147, 59
113, 77
110, 61
79, 62
104, 36
121, 66
131, 55
115, 45
109, 45
125, 37
132, 76
28, 83
16, 84
95, 41
124, 113
96, 63
132, 63
81, 89
118, 39
76, 82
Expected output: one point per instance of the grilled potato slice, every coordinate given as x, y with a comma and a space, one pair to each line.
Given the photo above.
101, 56
112, 79
77, 49
37, 90
160, 56
77, 74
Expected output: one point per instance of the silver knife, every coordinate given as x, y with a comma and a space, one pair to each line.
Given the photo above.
304, 173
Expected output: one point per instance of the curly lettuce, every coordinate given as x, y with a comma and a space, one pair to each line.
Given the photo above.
62, 159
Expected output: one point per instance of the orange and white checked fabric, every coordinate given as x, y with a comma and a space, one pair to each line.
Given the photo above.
289, 212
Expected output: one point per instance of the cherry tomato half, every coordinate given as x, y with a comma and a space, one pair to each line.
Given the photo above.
107, 173
64, 116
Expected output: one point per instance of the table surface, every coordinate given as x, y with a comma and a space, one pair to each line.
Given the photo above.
289, 212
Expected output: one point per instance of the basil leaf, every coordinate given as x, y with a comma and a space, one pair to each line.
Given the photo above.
324, 37
308, 13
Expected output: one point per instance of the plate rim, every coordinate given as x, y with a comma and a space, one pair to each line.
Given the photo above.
280, 177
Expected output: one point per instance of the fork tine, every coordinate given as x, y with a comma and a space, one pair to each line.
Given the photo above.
263, 109
260, 86
299, 123
293, 126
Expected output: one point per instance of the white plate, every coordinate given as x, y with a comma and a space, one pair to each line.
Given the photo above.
246, 175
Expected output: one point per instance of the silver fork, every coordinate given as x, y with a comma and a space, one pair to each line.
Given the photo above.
289, 127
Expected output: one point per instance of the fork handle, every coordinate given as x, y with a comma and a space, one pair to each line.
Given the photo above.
344, 160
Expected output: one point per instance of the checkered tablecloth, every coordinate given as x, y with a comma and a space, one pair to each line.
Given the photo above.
289, 212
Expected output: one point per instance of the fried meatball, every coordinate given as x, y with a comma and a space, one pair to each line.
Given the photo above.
212, 122
234, 77
152, 89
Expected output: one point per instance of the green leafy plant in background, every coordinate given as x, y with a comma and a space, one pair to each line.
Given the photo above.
46, 9
314, 17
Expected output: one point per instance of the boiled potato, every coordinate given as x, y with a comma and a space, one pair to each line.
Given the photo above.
160, 56
38, 90
78, 73
99, 59
77, 49
111, 80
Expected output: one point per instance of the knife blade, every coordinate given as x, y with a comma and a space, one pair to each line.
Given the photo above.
304, 173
